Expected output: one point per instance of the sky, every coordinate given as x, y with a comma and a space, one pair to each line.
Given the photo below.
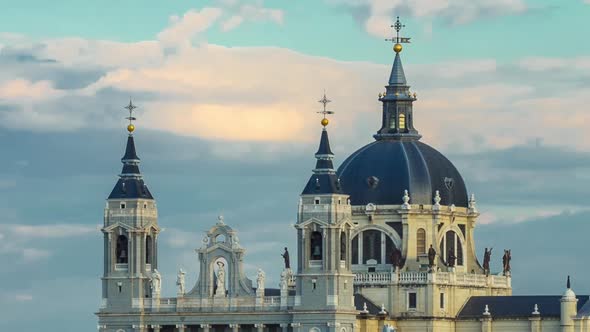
227, 93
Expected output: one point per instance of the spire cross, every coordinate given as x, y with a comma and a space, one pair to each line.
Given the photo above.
325, 102
397, 39
130, 108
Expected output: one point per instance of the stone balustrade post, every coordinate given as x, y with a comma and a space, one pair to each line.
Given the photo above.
205, 327
139, 328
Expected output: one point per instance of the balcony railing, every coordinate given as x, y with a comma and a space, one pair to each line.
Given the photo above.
446, 278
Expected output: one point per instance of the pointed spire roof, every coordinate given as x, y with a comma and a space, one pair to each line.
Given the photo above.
324, 179
130, 184
397, 77
324, 155
130, 153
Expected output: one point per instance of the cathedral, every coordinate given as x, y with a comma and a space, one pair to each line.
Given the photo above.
384, 243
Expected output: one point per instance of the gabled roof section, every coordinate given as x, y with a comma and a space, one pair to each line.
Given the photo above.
515, 306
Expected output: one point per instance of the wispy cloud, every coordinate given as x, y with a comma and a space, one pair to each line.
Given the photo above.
376, 14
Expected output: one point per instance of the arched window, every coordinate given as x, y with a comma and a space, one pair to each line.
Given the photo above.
421, 241
392, 121
451, 244
342, 246
316, 246
122, 250
148, 249
402, 121
371, 245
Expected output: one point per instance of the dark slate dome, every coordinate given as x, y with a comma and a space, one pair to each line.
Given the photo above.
379, 173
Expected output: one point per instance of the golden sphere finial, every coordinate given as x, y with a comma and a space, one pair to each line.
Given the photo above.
325, 122
130, 128
397, 48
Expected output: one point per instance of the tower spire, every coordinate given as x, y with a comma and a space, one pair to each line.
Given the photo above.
397, 120
130, 184
324, 179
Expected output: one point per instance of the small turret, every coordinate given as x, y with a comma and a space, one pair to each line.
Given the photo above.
568, 308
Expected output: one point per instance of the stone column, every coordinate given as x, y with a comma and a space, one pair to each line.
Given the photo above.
259, 327
296, 327
486, 323
205, 327
333, 326
156, 328
535, 323
284, 327
139, 328
181, 327
234, 327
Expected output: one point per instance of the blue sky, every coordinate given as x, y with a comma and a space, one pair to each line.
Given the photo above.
227, 93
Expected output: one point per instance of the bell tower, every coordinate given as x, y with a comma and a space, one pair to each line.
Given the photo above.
130, 236
324, 276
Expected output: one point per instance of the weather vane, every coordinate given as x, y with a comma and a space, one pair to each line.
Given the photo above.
131, 118
325, 112
397, 40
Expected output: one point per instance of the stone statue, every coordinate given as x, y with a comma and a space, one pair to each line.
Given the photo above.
180, 281
220, 291
506, 261
396, 257
451, 258
486, 260
286, 259
156, 283
260, 279
431, 256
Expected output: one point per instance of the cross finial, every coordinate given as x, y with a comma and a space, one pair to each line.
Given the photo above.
397, 40
325, 112
131, 118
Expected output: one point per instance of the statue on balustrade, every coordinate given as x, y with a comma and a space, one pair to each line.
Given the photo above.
431, 256
487, 256
506, 261
286, 258
156, 282
260, 280
180, 281
451, 258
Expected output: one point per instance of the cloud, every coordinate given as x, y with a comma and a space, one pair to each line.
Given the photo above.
17, 239
49, 231
23, 297
183, 29
32, 254
376, 15
252, 12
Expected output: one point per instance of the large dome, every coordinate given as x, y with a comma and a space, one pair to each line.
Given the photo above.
379, 173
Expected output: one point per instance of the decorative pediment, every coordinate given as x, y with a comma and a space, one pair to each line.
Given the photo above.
115, 226
311, 221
